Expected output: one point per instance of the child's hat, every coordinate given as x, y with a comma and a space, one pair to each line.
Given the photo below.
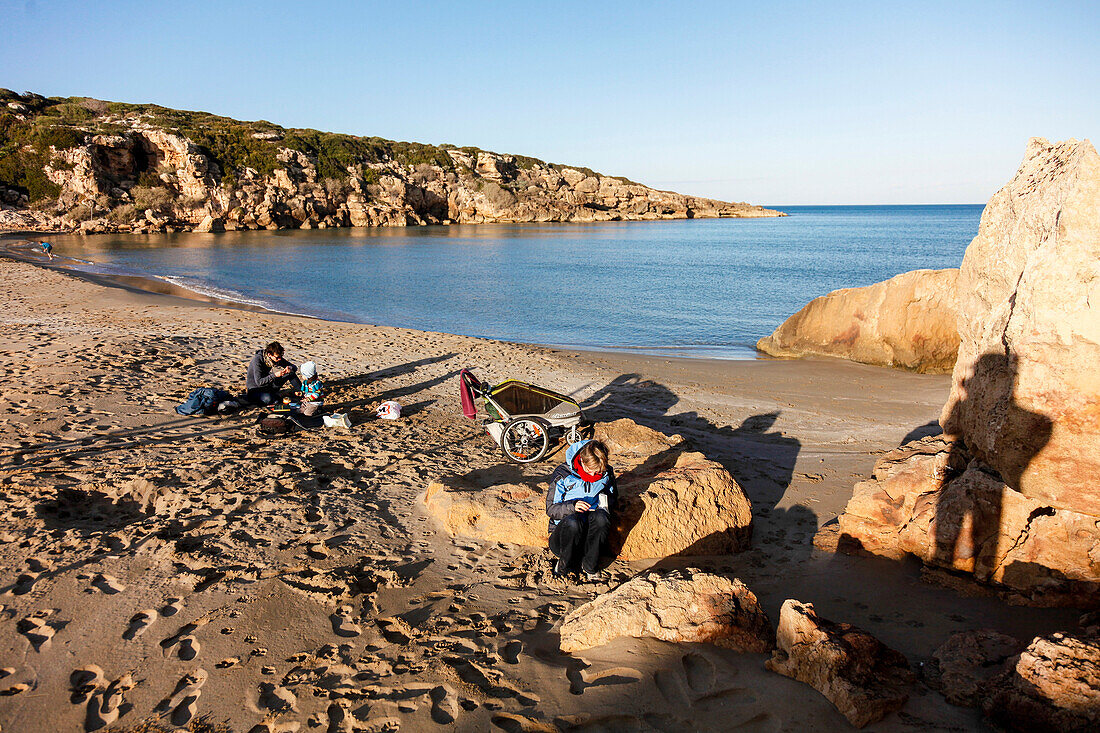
308, 370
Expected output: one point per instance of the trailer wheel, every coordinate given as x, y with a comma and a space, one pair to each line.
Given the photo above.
525, 439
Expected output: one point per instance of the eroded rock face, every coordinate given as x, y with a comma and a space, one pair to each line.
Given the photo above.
1054, 685
680, 606
671, 501
865, 679
930, 500
907, 321
1025, 395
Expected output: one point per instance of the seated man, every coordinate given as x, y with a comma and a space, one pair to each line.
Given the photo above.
267, 373
579, 503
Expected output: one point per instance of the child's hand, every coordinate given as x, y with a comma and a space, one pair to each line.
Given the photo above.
581, 506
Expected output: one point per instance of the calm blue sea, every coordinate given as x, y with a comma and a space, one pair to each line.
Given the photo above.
693, 288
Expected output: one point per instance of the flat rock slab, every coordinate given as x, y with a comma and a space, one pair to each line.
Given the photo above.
671, 501
679, 606
865, 679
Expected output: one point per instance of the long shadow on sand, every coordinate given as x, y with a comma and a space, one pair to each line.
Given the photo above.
762, 460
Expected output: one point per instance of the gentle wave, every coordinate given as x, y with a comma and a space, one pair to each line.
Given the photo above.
210, 291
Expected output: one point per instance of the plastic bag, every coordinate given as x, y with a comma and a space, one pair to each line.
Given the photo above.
389, 410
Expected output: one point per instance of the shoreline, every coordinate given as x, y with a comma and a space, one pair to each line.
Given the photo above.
155, 285
253, 534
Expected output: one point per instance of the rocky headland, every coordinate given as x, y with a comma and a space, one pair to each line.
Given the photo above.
89, 166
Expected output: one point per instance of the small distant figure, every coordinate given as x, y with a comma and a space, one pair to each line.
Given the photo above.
267, 373
579, 502
48, 249
313, 391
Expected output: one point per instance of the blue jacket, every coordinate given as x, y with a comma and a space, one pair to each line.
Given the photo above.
566, 488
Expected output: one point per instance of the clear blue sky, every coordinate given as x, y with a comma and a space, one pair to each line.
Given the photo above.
781, 103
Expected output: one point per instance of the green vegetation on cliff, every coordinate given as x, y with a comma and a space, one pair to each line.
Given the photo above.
30, 124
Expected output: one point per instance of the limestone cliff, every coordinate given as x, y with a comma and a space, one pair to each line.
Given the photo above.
93, 166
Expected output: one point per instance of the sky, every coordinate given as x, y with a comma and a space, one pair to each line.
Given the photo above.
774, 103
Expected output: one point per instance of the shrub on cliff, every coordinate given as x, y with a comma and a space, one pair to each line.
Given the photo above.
151, 198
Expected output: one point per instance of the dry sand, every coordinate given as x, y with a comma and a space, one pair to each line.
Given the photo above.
298, 581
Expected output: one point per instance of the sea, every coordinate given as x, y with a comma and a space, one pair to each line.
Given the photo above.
693, 288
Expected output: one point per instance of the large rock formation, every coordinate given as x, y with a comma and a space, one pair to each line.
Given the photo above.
865, 679
138, 168
1025, 391
929, 499
907, 321
679, 606
1011, 494
672, 501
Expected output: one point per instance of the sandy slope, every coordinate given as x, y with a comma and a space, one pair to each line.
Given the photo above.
297, 580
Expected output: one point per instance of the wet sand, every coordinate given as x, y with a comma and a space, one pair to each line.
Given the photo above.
298, 580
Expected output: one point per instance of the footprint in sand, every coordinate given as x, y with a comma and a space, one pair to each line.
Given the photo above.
83, 681
277, 699
37, 631
395, 630
513, 723
444, 705
139, 623
14, 689
611, 676
574, 672
669, 684
24, 584
172, 606
189, 648
183, 703
108, 584
105, 707
666, 723
699, 673
510, 652
342, 624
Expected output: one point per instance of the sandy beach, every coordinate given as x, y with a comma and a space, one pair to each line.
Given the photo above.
297, 583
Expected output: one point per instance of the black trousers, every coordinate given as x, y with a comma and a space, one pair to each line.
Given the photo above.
585, 531
270, 395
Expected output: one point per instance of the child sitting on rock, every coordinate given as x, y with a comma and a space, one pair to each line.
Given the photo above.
579, 503
313, 391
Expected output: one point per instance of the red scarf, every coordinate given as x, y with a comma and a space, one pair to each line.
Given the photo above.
585, 475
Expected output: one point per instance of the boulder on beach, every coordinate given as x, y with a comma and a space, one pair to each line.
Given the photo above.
907, 321
1054, 685
965, 665
1010, 493
865, 679
687, 605
671, 501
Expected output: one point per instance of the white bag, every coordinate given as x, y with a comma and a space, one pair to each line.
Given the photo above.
338, 420
389, 410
